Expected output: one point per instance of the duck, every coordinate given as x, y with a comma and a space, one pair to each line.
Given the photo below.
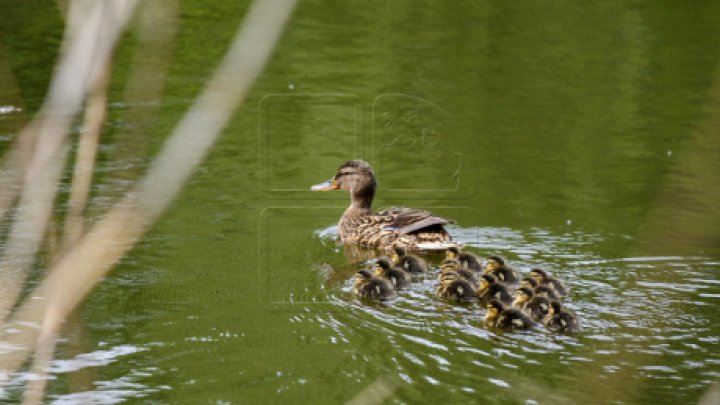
497, 267
412, 264
369, 287
535, 307
491, 289
528, 282
410, 228
501, 317
397, 276
543, 278
560, 320
547, 292
467, 259
453, 287
455, 266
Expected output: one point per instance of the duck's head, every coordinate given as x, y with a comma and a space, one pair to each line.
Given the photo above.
545, 291
494, 263
494, 307
448, 278
398, 252
538, 275
452, 253
450, 265
486, 281
554, 308
362, 277
528, 282
523, 294
354, 176
381, 266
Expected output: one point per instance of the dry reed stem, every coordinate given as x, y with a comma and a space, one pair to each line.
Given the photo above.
95, 112
91, 41
80, 269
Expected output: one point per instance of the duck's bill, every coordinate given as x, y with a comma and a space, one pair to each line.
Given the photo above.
326, 186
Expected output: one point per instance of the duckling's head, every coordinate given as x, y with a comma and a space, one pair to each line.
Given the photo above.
381, 266
538, 275
523, 294
450, 265
494, 263
399, 252
362, 277
545, 291
554, 308
452, 253
486, 281
448, 278
528, 282
494, 307
355, 176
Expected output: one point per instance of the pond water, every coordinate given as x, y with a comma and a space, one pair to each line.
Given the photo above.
581, 138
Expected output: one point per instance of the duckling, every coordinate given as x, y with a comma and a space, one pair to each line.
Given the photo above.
514, 319
490, 289
453, 287
528, 282
543, 278
454, 265
397, 276
369, 287
467, 259
501, 317
494, 308
547, 292
533, 306
560, 320
497, 267
410, 263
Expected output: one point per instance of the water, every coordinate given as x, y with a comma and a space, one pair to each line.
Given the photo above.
577, 138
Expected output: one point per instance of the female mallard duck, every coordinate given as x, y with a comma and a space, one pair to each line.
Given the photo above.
497, 267
501, 317
543, 278
455, 288
560, 320
410, 228
533, 306
369, 287
410, 263
397, 276
452, 265
467, 259
490, 289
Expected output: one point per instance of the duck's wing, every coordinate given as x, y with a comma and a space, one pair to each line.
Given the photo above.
408, 220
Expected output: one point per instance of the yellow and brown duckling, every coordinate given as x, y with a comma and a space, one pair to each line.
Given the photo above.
412, 264
453, 287
491, 289
397, 276
543, 278
455, 266
466, 259
497, 267
560, 320
410, 228
533, 306
547, 292
528, 282
501, 317
369, 287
